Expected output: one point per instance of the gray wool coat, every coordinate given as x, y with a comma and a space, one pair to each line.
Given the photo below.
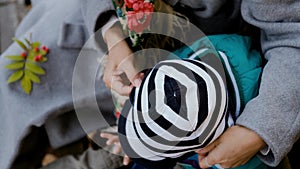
64, 27
275, 113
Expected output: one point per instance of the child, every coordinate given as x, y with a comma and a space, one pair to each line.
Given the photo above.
183, 105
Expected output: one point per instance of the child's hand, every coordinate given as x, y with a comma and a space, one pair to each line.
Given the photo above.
120, 59
113, 139
126, 160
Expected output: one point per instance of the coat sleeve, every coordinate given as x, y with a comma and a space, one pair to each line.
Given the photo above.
275, 113
96, 13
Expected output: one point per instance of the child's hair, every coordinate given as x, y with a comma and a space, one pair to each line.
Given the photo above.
164, 19
172, 23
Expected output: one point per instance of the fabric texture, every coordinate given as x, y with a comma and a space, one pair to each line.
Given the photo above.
276, 109
245, 62
275, 113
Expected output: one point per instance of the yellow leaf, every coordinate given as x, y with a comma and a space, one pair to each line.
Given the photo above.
15, 76
35, 68
21, 44
26, 85
15, 65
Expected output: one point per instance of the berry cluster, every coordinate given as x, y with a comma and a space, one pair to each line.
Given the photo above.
38, 57
26, 66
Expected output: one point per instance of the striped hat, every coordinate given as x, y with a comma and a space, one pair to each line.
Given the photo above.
180, 106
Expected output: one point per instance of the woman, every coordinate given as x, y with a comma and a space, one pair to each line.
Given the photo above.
269, 124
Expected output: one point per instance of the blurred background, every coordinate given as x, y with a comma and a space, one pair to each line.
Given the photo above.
11, 13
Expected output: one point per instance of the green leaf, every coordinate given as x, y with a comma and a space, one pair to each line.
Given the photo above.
35, 44
16, 57
42, 52
31, 55
15, 76
35, 68
15, 65
32, 76
21, 44
28, 42
44, 59
26, 84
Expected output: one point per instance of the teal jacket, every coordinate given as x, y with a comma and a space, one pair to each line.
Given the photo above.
246, 66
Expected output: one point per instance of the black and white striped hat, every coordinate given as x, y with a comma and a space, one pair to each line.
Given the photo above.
180, 106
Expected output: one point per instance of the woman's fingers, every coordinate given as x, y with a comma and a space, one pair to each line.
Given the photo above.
208, 148
211, 159
200, 157
234, 147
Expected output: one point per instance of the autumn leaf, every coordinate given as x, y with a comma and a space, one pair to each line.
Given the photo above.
15, 57
35, 68
34, 78
15, 65
21, 44
15, 76
26, 84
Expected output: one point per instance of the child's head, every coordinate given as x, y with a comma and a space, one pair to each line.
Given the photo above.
180, 106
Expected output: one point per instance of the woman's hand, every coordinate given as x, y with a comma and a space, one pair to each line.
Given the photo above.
236, 146
120, 61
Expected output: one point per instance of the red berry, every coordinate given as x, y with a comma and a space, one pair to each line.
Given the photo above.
23, 54
38, 58
36, 49
44, 48
118, 114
